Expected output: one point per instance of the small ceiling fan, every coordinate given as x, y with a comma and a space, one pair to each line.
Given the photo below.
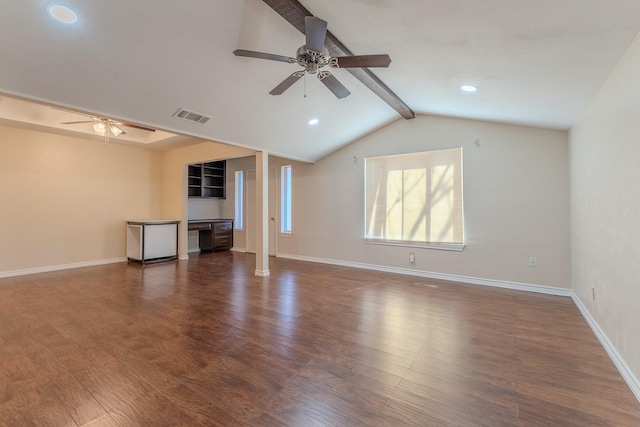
104, 126
312, 56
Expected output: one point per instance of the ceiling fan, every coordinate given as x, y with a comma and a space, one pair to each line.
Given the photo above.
104, 126
312, 56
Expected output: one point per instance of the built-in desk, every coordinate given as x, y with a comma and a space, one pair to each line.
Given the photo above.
213, 234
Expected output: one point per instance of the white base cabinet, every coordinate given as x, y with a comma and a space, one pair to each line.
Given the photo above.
152, 241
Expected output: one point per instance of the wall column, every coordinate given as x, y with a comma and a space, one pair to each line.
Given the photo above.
262, 214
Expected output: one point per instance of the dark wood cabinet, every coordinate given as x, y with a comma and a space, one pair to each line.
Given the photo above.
207, 180
195, 181
213, 234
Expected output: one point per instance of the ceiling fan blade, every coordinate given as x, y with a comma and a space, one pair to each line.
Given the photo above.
333, 84
75, 123
360, 61
315, 30
286, 83
294, 13
131, 125
262, 55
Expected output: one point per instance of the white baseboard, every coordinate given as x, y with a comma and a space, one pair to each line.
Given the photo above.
262, 273
616, 358
49, 268
550, 290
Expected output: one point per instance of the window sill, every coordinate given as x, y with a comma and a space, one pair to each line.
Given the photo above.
455, 247
286, 234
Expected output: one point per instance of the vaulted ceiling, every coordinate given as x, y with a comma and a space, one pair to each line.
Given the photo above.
534, 62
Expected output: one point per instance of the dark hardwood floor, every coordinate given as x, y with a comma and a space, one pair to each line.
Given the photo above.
206, 342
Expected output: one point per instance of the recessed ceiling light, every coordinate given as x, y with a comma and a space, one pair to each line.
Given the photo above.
313, 122
469, 88
63, 14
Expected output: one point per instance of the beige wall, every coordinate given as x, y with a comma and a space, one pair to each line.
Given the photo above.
605, 207
516, 202
204, 208
65, 200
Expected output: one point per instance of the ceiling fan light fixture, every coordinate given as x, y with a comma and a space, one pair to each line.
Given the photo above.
63, 14
99, 128
115, 130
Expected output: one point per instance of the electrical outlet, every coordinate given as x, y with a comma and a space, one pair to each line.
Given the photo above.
533, 261
412, 257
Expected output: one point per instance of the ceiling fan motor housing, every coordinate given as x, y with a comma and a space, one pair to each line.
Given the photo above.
310, 60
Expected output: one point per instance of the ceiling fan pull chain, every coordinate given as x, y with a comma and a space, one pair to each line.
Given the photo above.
305, 85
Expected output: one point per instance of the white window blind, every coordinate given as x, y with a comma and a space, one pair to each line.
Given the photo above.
239, 200
414, 199
285, 197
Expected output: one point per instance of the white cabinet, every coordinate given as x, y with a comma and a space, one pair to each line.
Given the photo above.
152, 241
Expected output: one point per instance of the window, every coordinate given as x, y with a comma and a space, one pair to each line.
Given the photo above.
285, 199
239, 216
415, 199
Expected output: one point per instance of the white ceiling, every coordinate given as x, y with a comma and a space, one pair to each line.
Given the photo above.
535, 62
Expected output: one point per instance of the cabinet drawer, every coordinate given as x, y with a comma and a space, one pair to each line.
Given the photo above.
219, 227
200, 226
221, 241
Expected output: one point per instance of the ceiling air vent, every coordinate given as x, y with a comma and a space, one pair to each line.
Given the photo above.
191, 116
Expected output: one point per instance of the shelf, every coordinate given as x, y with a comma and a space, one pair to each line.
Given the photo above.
207, 180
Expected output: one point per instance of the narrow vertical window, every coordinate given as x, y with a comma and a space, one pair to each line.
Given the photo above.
239, 217
285, 198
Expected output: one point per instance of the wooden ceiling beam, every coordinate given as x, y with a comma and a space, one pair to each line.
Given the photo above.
294, 12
